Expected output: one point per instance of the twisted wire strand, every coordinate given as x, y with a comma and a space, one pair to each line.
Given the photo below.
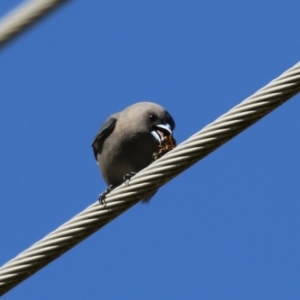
24, 15
158, 173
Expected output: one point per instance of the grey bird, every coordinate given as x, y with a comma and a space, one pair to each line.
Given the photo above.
127, 141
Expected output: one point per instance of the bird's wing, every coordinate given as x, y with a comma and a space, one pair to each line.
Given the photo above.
106, 129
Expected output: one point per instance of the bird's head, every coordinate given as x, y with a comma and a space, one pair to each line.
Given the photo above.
148, 117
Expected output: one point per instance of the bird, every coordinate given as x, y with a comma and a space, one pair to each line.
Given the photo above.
128, 141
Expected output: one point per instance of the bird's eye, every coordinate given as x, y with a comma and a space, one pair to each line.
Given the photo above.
152, 118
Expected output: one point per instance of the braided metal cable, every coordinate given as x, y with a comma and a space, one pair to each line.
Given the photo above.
24, 15
161, 171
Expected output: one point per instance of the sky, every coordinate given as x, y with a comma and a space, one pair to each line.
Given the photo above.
228, 227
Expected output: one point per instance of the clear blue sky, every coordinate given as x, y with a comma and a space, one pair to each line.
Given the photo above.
228, 228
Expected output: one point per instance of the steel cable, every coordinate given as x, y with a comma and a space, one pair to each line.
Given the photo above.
158, 173
24, 15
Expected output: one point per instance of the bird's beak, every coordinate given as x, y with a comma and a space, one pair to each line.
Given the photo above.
160, 131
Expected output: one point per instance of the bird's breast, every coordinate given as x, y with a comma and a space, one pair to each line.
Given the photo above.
128, 154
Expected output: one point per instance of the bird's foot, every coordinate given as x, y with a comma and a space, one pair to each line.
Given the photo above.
102, 196
127, 177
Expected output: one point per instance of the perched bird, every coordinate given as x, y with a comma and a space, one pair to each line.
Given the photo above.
130, 140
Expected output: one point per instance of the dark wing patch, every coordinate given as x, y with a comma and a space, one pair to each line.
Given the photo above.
106, 129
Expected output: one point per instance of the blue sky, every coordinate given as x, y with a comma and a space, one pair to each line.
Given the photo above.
227, 228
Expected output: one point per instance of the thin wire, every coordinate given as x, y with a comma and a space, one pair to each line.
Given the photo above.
161, 171
16, 21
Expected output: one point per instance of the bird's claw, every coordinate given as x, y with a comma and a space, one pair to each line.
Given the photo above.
102, 196
127, 177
